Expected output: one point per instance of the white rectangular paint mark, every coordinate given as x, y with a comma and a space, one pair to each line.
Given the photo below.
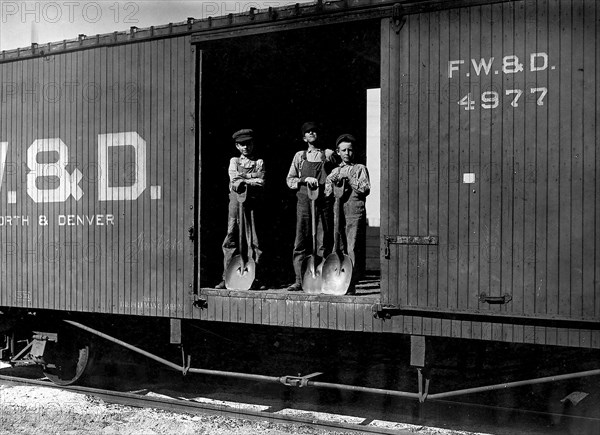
155, 192
468, 178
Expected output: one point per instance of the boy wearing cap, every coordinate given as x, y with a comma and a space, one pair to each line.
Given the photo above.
309, 168
357, 187
245, 172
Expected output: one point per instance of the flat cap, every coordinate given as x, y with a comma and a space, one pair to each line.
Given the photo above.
308, 126
346, 137
243, 135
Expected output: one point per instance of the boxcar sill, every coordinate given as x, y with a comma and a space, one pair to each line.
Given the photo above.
364, 298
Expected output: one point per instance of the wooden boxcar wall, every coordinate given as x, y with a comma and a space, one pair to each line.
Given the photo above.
489, 125
103, 132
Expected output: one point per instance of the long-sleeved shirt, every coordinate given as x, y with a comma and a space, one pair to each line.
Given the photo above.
357, 175
312, 155
254, 171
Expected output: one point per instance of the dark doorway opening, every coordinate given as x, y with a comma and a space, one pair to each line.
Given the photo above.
273, 83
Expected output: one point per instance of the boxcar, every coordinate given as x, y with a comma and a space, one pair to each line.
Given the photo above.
114, 149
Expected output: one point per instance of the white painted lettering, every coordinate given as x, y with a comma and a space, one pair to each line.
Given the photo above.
452, 66
120, 193
486, 66
3, 152
77, 220
68, 183
467, 102
490, 100
543, 91
14, 220
532, 61
511, 64
517, 93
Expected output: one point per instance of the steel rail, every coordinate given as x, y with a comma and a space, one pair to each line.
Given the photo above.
512, 411
191, 407
183, 406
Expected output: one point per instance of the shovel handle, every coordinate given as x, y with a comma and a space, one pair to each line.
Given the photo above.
313, 194
241, 230
338, 191
241, 198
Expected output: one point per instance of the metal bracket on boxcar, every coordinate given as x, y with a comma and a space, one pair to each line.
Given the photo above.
398, 19
23, 351
34, 350
504, 299
408, 240
423, 385
298, 381
385, 311
201, 303
186, 366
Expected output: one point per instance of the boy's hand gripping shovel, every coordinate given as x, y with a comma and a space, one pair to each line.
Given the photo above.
311, 281
241, 270
337, 269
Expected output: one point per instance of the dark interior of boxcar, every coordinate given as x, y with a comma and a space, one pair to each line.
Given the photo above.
273, 83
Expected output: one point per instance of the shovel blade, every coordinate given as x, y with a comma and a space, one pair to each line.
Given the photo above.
337, 274
240, 274
312, 281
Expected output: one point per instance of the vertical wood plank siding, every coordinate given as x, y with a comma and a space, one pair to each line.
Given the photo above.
525, 124
143, 264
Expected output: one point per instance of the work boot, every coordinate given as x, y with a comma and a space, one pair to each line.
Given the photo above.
221, 285
296, 287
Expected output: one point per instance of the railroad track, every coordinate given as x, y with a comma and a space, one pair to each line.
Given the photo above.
431, 414
137, 399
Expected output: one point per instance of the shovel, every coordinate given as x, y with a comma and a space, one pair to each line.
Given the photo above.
311, 282
241, 269
337, 269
